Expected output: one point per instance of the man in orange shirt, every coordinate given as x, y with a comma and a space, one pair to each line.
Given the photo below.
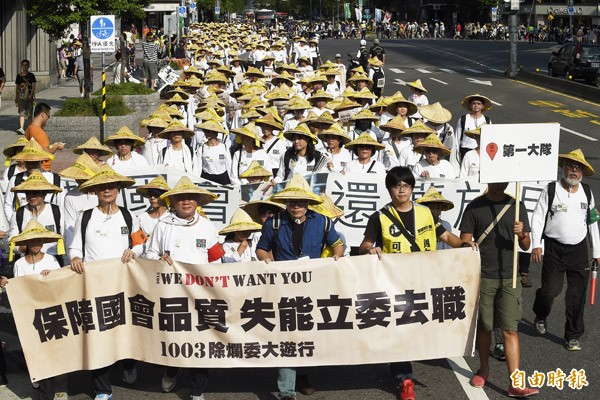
35, 130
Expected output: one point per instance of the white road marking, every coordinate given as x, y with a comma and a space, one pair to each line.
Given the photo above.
473, 80
447, 70
396, 70
463, 374
497, 70
437, 80
544, 70
579, 134
399, 82
423, 71
496, 103
475, 71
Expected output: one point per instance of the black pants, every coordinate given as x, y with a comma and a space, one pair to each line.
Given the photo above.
560, 260
101, 377
524, 262
49, 387
198, 377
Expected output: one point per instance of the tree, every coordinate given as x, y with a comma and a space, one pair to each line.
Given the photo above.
56, 16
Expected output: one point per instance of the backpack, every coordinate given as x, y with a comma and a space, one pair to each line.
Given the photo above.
364, 57
276, 223
378, 77
85, 219
463, 121
288, 156
552, 193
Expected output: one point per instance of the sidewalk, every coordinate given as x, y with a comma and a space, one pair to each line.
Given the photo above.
54, 96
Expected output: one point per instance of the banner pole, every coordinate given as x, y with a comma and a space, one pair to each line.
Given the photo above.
516, 241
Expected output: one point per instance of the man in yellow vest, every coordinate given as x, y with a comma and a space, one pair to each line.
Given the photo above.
404, 226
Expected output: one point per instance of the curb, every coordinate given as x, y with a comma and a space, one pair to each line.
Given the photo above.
587, 92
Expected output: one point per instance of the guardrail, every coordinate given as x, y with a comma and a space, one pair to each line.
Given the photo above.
587, 92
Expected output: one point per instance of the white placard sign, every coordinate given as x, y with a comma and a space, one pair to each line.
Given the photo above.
102, 39
519, 152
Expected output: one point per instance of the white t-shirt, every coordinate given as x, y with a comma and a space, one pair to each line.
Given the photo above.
231, 254
390, 156
372, 167
22, 266
470, 124
184, 243
106, 237
215, 159
118, 165
45, 218
75, 203
442, 170
22, 200
340, 160
300, 166
153, 149
470, 164
408, 158
276, 149
241, 160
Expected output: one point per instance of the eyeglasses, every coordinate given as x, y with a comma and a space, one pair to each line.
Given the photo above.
574, 166
402, 186
296, 203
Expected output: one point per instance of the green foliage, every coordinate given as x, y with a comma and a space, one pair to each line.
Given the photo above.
127, 88
175, 65
55, 16
78, 107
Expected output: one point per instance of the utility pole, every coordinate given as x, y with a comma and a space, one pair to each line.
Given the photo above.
514, 37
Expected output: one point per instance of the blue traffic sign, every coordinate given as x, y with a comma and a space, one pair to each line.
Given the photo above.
102, 28
217, 10
192, 6
571, 10
182, 11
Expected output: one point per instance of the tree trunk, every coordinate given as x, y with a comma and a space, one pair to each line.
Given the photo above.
123, 47
87, 72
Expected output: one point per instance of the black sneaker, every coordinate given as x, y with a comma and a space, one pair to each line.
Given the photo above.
540, 325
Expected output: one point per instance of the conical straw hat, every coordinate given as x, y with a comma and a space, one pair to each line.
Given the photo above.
365, 115
186, 186
252, 208
432, 141
433, 196
176, 126
270, 120
379, 105
466, 102
418, 127
300, 129
35, 230
248, 130
176, 99
320, 95
327, 208
33, 152
240, 221
365, 139
417, 85
435, 113
346, 104
209, 113
297, 189
363, 93
182, 93
335, 130
310, 117
255, 170
93, 144
14, 148
395, 124
474, 133
577, 156
124, 133
157, 184
83, 168
324, 119
297, 103
106, 175
212, 126
36, 182
375, 61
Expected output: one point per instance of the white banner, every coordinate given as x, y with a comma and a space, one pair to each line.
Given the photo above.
357, 310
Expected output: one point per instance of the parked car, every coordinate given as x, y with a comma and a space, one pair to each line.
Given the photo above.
576, 61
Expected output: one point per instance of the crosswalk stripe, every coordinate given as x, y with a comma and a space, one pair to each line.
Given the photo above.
447, 70
423, 71
475, 71
496, 103
399, 81
496, 70
437, 80
579, 134
461, 369
396, 70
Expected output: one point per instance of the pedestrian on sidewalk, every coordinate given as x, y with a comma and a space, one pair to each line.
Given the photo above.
35, 130
24, 95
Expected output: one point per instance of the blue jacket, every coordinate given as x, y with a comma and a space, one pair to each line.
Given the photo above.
281, 242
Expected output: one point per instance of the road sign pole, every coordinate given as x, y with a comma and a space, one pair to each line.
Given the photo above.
514, 37
103, 122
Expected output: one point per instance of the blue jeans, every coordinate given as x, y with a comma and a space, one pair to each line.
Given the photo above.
286, 382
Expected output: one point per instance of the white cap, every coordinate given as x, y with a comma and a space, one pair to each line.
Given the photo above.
363, 42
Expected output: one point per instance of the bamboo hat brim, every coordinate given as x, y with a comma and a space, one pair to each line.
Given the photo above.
433, 196
297, 189
186, 186
577, 156
124, 133
432, 141
157, 184
34, 230
365, 139
435, 113
36, 182
241, 221
93, 144
106, 175
83, 169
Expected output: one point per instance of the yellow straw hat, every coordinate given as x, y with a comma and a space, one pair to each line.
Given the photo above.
395, 124
474, 133
105, 176
375, 61
240, 221
297, 189
347, 104
33, 152
250, 131
466, 102
93, 144
179, 91
186, 186
253, 207
379, 105
212, 126
364, 115
433, 196
335, 130
418, 127
432, 141
270, 120
255, 170
176, 99
124, 133
36, 182
176, 126
83, 168
300, 129
254, 71
297, 103
327, 208
577, 156
365, 139
435, 113
417, 85
324, 119
251, 114
14, 148
320, 95
363, 93
157, 184
310, 117
398, 100
35, 230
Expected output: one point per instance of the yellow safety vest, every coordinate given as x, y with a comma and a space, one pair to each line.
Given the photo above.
395, 242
